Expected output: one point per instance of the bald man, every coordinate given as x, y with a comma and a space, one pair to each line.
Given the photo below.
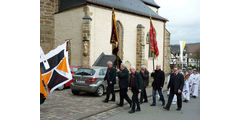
157, 84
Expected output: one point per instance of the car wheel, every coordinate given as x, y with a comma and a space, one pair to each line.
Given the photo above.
99, 91
61, 87
75, 92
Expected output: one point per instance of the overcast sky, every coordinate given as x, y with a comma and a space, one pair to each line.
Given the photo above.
184, 19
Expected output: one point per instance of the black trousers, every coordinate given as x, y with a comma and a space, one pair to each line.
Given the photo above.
123, 95
179, 100
110, 90
135, 99
143, 95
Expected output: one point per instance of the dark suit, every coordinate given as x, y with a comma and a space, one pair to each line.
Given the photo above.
145, 77
176, 83
158, 82
136, 85
110, 77
123, 85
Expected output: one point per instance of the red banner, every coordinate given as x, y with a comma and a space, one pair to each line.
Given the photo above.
153, 40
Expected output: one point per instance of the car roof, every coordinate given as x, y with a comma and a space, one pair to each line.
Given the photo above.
95, 67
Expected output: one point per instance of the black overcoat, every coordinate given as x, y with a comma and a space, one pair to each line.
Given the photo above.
137, 80
158, 79
123, 78
176, 82
111, 76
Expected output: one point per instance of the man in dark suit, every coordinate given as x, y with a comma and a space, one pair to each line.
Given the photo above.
135, 85
111, 80
157, 84
175, 85
123, 76
145, 76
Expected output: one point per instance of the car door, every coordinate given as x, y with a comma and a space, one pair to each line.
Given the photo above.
102, 73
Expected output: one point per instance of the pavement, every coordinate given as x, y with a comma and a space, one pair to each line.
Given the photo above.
190, 111
64, 105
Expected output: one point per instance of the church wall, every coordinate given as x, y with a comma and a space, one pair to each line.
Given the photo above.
101, 31
47, 9
68, 25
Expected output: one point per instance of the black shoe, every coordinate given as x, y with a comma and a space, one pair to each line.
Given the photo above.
145, 101
185, 101
105, 101
178, 109
138, 109
112, 100
194, 97
120, 105
130, 105
131, 111
153, 105
163, 104
166, 108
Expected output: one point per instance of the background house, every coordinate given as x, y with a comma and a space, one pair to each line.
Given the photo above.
191, 55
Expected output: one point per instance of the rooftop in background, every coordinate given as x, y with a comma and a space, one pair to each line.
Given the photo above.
138, 7
189, 48
175, 49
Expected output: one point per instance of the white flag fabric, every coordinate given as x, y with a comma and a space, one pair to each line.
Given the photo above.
57, 72
182, 46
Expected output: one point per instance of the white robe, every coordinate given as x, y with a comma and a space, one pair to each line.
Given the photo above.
190, 85
195, 79
186, 91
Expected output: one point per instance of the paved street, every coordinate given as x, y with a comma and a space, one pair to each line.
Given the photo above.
190, 111
64, 105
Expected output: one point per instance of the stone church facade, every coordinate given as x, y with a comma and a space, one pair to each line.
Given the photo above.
87, 25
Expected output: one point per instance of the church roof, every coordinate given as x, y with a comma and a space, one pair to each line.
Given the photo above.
151, 3
132, 6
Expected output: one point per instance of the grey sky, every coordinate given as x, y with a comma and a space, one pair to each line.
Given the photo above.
184, 19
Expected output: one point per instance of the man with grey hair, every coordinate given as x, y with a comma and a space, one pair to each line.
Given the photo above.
136, 87
145, 76
123, 75
111, 80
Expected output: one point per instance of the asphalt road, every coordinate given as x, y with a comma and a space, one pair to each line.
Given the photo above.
190, 111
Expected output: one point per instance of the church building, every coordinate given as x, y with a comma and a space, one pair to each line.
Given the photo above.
87, 24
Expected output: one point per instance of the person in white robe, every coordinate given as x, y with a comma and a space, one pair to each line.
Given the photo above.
186, 90
195, 79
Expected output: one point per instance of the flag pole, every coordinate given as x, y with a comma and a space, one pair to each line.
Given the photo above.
153, 61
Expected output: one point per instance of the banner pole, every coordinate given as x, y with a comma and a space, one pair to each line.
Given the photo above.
153, 61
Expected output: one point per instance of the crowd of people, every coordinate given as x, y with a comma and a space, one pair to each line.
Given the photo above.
180, 84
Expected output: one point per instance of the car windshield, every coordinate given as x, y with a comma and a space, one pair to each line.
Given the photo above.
75, 69
85, 71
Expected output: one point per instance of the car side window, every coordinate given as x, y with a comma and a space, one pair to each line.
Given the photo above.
102, 71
